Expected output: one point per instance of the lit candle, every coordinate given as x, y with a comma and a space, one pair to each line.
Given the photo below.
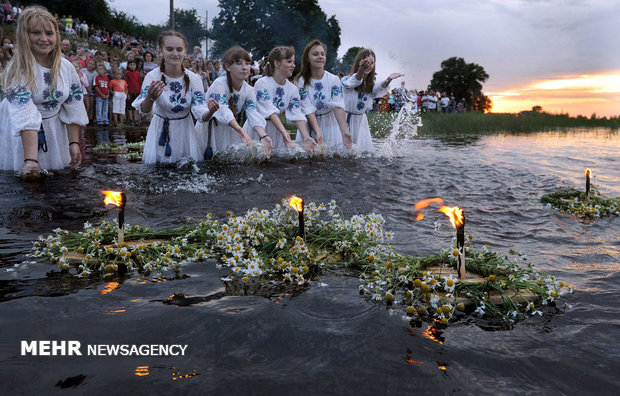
298, 204
117, 198
457, 218
588, 173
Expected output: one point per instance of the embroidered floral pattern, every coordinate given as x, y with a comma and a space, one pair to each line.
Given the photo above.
262, 95
219, 98
277, 99
47, 78
337, 90
50, 96
361, 97
198, 98
303, 94
294, 104
318, 86
20, 96
319, 99
144, 92
177, 98
76, 93
249, 104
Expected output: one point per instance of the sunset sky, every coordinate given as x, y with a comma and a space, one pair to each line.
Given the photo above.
563, 55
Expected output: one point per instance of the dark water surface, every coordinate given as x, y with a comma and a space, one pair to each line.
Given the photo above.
326, 339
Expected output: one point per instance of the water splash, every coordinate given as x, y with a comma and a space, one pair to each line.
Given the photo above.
404, 127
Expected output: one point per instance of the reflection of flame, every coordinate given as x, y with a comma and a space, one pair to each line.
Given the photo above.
113, 197
414, 361
141, 371
109, 287
296, 203
455, 214
433, 334
588, 172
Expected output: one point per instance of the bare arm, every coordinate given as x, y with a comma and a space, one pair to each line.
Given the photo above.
73, 131
341, 118
314, 124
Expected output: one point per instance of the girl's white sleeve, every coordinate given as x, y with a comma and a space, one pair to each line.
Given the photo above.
350, 82
219, 93
264, 104
378, 91
293, 110
72, 110
251, 111
137, 104
307, 107
337, 98
199, 103
21, 111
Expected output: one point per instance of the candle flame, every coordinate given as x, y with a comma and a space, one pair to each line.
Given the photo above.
112, 197
296, 203
588, 172
455, 214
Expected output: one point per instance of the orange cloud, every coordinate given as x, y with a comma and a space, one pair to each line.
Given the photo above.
575, 95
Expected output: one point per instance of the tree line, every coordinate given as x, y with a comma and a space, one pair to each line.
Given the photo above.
260, 25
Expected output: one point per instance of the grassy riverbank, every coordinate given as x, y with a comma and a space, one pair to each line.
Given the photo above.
477, 123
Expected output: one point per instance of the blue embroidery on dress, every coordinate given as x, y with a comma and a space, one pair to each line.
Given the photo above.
51, 98
262, 95
318, 86
303, 94
176, 86
235, 98
76, 93
361, 97
20, 96
293, 104
336, 90
198, 98
319, 99
219, 98
249, 104
145, 91
277, 99
47, 78
177, 98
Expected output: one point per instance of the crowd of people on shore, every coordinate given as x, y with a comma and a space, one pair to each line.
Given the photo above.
429, 101
195, 107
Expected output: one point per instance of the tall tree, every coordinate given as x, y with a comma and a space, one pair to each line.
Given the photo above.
464, 80
187, 22
347, 60
260, 25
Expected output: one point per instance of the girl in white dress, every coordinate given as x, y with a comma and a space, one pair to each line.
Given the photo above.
276, 94
40, 118
321, 90
359, 91
169, 93
237, 100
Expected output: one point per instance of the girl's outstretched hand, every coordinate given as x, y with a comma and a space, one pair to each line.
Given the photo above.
394, 76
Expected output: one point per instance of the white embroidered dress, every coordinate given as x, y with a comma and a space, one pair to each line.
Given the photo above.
356, 104
171, 135
47, 107
223, 135
324, 96
271, 98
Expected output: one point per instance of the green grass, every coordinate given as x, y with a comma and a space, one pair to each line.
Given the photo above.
477, 123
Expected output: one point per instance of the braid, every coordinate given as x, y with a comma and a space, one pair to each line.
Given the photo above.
185, 78
232, 105
162, 68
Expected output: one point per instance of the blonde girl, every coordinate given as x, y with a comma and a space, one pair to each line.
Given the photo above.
41, 117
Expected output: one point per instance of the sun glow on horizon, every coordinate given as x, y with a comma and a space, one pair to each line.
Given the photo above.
576, 95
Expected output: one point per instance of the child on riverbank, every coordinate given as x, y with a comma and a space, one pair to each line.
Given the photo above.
102, 95
134, 82
119, 90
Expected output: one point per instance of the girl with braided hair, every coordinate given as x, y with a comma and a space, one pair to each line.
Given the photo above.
237, 100
169, 93
40, 118
276, 94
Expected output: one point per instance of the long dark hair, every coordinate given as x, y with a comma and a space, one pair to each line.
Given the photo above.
231, 56
162, 65
369, 81
306, 71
